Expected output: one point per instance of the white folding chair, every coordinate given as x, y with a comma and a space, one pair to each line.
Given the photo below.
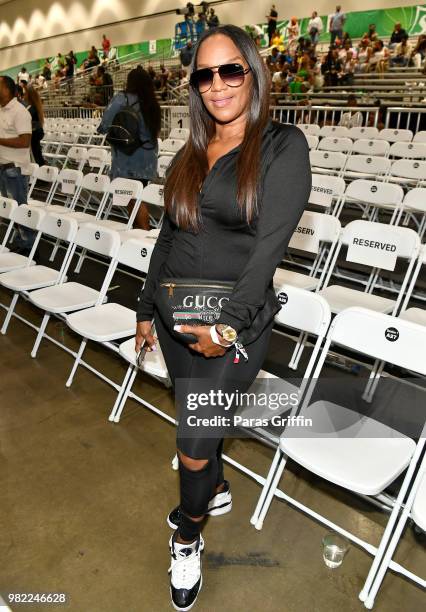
153, 194
367, 166
371, 195
7, 208
33, 277
327, 191
122, 192
327, 161
179, 134
70, 296
414, 204
334, 130
313, 231
408, 172
414, 314
171, 145
30, 171
311, 129
392, 135
30, 218
408, 150
348, 449
68, 187
164, 162
312, 141
97, 159
76, 156
362, 132
93, 195
47, 174
335, 143
365, 146
377, 246
106, 323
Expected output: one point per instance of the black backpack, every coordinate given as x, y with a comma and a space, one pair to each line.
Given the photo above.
123, 133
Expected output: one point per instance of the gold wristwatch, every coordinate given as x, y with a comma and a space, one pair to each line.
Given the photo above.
227, 332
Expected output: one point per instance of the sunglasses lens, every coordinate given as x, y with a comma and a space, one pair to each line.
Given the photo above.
202, 79
232, 74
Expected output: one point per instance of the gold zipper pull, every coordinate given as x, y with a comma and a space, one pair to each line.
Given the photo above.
171, 287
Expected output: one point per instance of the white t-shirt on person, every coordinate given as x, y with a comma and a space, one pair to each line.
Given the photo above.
14, 121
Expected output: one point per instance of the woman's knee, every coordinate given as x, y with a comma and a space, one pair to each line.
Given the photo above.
192, 464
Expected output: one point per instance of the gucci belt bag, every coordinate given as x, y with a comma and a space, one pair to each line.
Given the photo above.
191, 301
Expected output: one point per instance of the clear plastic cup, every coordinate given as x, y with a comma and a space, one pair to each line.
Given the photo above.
335, 547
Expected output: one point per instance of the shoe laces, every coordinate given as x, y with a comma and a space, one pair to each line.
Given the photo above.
185, 567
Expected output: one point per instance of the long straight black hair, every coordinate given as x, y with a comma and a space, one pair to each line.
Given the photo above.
188, 171
140, 83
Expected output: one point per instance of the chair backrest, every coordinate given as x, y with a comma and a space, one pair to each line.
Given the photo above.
46, 173
416, 199
124, 190
374, 146
313, 129
371, 164
375, 192
98, 239
314, 228
334, 130
312, 141
59, 226
325, 189
335, 143
29, 217
382, 336
99, 183
379, 245
363, 132
163, 163
407, 168
408, 150
70, 180
331, 160
77, 154
396, 135
154, 194
30, 170
7, 207
136, 253
179, 133
420, 136
172, 144
97, 158
303, 310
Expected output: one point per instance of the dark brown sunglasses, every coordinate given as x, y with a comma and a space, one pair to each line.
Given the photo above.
231, 74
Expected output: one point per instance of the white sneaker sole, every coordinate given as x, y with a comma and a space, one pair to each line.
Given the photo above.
188, 607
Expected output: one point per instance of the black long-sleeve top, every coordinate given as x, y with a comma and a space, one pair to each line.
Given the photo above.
226, 247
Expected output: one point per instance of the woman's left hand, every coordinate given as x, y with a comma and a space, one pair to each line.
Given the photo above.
204, 344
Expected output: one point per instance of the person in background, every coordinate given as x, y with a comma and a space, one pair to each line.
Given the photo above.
315, 28
419, 51
105, 84
106, 46
272, 59
378, 57
142, 164
35, 108
397, 35
272, 23
403, 53
278, 41
371, 33
60, 63
15, 140
331, 67
20, 92
70, 63
292, 35
57, 79
337, 22
200, 25
212, 19
46, 71
23, 75
186, 54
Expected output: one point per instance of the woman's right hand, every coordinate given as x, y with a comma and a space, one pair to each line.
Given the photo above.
144, 334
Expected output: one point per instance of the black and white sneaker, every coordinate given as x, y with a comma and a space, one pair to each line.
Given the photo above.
221, 503
185, 572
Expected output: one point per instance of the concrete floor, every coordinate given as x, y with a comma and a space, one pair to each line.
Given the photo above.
84, 501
